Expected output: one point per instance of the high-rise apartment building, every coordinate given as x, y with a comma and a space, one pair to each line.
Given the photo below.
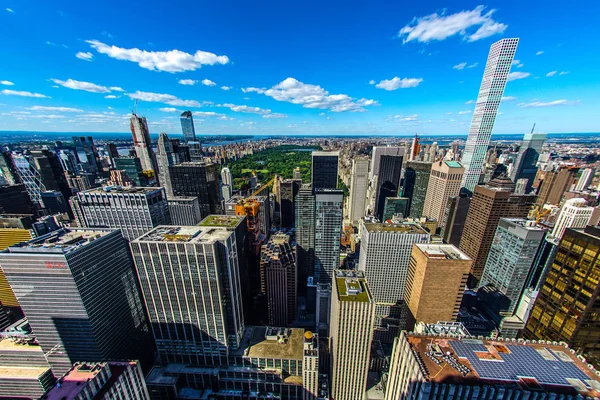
305, 235
436, 282
511, 258
226, 183
325, 169
444, 182
388, 181
187, 126
525, 166
297, 174
79, 292
555, 184
142, 142
358, 189
567, 307
416, 181
488, 205
133, 210
329, 205
574, 214
164, 158
184, 211
278, 273
193, 293
585, 180
352, 318
455, 217
197, 179
288, 190
490, 94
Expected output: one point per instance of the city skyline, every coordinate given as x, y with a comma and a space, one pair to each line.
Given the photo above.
403, 70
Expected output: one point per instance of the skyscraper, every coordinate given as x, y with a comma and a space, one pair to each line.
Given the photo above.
325, 169
288, 190
416, 181
444, 183
525, 166
305, 234
184, 211
227, 183
574, 214
142, 142
132, 167
490, 94
278, 273
488, 205
78, 290
568, 308
194, 302
87, 154
555, 184
164, 158
8, 171
436, 282
197, 179
585, 180
187, 126
511, 258
329, 204
134, 210
388, 181
393, 207
379, 151
14, 199
358, 189
455, 217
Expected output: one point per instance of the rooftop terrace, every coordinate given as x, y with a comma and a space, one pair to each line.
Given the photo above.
227, 221
62, 241
184, 234
256, 344
352, 286
444, 251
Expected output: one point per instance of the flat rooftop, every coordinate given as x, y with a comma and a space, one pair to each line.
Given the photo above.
443, 251
325, 153
255, 344
453, 164
226, 221
62, 241
402, 227
22, 373
533, 366
527, 224
352, 286
184, 234
123, 189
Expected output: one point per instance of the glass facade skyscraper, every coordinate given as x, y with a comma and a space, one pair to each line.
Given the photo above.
187, 126
325, 169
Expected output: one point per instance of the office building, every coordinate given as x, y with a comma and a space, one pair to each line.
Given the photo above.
122, 380
14, 199
310, 367
511, 258
395, 207
379, 151
352, 318
78, 290
181, 151
78, 183
197, 179
8, 171
567, 307
133, 210
164, 158
184, 211
187, 126
574, 214
555, 184
444, 182
329, 205
87, 154
325, 169
490, 95
488, 205
585, 180
388, 181
226, 183
52, 175
278, 273
288, 191
305, 234
455, 217
133, 170
485, 369
113, 152
358, 189
142, 142
525, 165
436, 282
322, 306
416, 181
194, 303
30, 177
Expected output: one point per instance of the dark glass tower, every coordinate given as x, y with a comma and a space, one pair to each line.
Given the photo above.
416, 179
200, 180
305, 234
187, 127
388, 181
325, 169
525, 165
288, 191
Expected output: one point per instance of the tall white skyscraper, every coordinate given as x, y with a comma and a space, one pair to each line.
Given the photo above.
358, 188
227, 183
491, 90
142, 142
164, 158
586, 179
574, 214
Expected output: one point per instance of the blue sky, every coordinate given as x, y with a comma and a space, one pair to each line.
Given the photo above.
293, 67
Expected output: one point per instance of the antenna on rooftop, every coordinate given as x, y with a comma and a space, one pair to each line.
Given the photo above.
531, 128
134, 111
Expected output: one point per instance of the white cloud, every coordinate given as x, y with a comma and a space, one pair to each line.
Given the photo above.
464, 112
513, 76
539, 53
372, 82
563, 72
397, 83
79, 85
551, 73
23, 94
87, 56
168, 109
116, 89
57, 109
253, 89
460, 66
536, 104
111, 96
321, 114
473, 65
508, 98
470, 102
402, 118
188, 82
225, 88
275, 115
168, 61
313, 96
208, 82
246, 109
6, 83
517, 63
163, 98
440, 27
10, 10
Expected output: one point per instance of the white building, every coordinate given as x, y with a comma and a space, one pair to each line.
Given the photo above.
358, 189
574, 214
585, 179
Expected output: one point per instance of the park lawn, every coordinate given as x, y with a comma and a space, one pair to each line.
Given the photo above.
262, 171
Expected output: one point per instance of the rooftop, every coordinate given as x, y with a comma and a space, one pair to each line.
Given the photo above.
533, 366
402, 227
123, 189
62, 241
445, 251
22, 373
255, 343
352, 286
227, 221
325, 153
184, 234
453, 164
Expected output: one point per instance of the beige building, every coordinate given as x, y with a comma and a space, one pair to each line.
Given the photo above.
444, 182
352, 320
437, 277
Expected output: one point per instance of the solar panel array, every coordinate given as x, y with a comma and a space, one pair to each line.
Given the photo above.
522, 362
